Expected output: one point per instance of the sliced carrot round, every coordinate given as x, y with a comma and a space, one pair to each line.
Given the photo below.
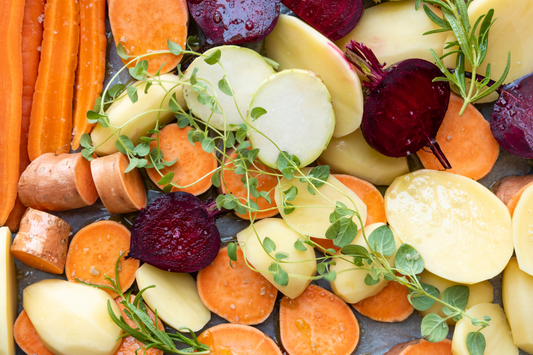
237, 294
26, 336
389, 305
228, 339
317, 322
422, 347
94, 251
194, 165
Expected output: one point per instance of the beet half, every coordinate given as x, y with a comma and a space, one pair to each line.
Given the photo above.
404, 108
235, 21
333, 18
176, 233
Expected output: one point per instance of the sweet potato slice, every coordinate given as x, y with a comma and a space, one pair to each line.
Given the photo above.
228, 339
506, 188
511, 205
422, 347
27, 338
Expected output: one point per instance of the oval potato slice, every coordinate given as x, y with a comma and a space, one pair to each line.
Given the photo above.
523, 231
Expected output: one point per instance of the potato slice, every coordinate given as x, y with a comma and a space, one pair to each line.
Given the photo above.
350, 285
517, 289
72, 318
284, 238
399, 35
523, 230
353, 156
497, 335
299, 118
174, 297
314, 222
296, 45
460, 228
482, 292
245, 71
138, 122
8, 294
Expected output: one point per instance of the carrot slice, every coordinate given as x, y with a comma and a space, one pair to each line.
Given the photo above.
237, 294
227, 339
422, 347
51, 113
120, 192
232, 182
11, 17
389, 305
511, 205
194, 165
26, 336
132, 24
91, 65
466, 140
94, 251
317, 322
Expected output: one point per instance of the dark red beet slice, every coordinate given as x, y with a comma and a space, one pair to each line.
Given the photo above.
333, 18
177, 233
235, 21
404, 108
512, 119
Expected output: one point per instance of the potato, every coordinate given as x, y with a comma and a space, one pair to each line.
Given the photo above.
72, 318
175, 298
523, 230
314, 221
498, 335
350, 285
517, 289
482, 292
138, 122
8, 294
284, 238
296, 45
353, 156
461, 229
399, 33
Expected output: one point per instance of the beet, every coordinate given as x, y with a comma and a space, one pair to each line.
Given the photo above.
404, 108
333, 18
235, 21
512, 119
177, 233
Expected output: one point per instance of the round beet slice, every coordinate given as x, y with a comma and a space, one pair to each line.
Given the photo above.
176, 233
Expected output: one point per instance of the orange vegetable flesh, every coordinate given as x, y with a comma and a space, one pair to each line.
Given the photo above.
514, 200
422, 347
389, 305
26, 336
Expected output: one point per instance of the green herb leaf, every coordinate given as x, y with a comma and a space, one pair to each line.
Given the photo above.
142, 149
266, 196
124, 144
132, 165
223, 86
213, 58
381, 240
408, 260
456, 296
115, 90
94, 117
215, 179
85, 141
420, 301
298, 245
280, 276
140, 70
342, 232
330, 276
232, 251
269, 245
434, 328
371, 280
319, 175
291, 193
174, 48
122, 52
281, 255
167, 179
475, 343
257, 112
208, 144
132, 93
87, 154
356, 251
287, 164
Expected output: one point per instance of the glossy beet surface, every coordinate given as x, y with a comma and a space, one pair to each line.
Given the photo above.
177, 233
333, 18
235, 21
512, 119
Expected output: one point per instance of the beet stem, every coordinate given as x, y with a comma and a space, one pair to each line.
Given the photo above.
435, 148
213, 210
366, 61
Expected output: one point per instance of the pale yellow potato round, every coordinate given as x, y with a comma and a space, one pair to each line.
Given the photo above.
314, 221
174, 297
296, 45
497, 335
482, 292
523, 231
517, 293
284, 238
124, 111
350, 285
72, 318
460, 228
352, 155
394, 32
8, 294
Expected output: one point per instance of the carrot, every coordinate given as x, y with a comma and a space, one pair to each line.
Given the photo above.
237, 294
194, 165
120, 192
228, 339
11, 17
510, 188
42, 241
511, 205
94, 251
133, 25
466, 140
389, 305
232, 182
422, 347
317, 322
32, 36
57, 183
51, 113
91, 65
26, 336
